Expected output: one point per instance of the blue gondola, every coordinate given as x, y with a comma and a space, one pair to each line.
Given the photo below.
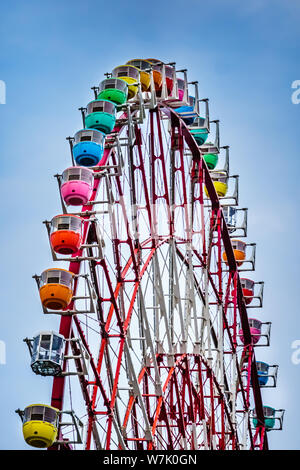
187, 113
262, 372
88, 147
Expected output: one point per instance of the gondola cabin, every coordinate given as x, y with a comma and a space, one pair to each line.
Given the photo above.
255, 331
262, 372
220, 182
131, 75
239, 251
199, 130
211, 159
187, 113
56, 288
40, 425
66, 234
88, 147
230, 216
113, 89
169, 73
157, 67
77, 185
181, 88
269, 415
144, 67
47, 353
101, 115
247, 289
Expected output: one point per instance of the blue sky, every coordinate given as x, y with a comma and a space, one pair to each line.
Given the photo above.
245, 58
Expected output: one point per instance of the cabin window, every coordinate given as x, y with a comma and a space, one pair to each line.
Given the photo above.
50, 415
87, 175
109, 108
37, 413
53, 280
66, 278
169, 72
63, 226
98, 137
133, 73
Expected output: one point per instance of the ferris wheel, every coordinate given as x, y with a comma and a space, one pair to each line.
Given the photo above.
156, 348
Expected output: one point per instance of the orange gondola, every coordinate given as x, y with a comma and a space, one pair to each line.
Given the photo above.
56, 289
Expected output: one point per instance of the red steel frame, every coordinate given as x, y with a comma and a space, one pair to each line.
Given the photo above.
180, 400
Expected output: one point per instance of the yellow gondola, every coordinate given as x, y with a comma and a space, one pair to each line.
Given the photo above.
131, 75
145, 77
219, 179
40, 425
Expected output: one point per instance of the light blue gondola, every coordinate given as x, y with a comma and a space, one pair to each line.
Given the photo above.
88, 147
188, 113
262, 372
